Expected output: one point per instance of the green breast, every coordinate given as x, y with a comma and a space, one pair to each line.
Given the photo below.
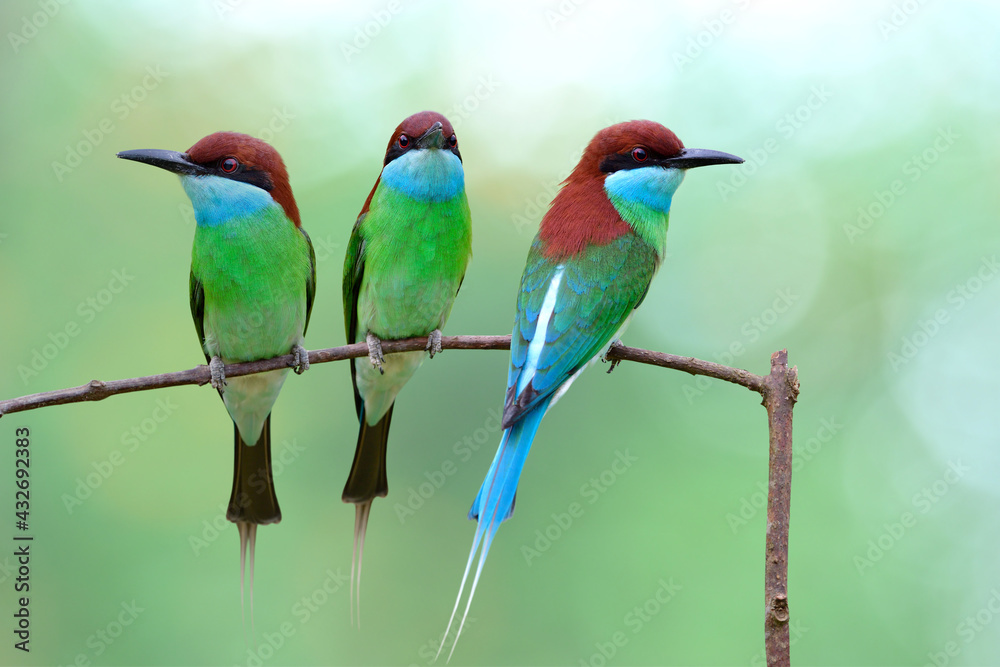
415, 255
254, 271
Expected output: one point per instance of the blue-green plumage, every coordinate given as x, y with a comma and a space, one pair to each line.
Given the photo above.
588, 269
252, 272
251, 288
405, 262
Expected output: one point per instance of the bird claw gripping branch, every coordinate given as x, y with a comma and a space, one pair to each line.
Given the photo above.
614, 362
434, 343
375, 351
301, 359
218, 370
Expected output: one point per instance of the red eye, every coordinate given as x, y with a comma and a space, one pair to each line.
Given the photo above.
403, 141
639, 154
452, 141
230, 164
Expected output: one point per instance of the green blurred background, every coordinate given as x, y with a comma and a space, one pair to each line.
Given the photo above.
861, 234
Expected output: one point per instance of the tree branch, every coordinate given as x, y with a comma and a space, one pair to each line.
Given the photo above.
96, 390
779, 390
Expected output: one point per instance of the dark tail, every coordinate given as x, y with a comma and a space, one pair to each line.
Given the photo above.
366, 482
367, 479
253, 499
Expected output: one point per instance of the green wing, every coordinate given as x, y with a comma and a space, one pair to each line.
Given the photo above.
310, 282
197, 296
354, 269
597, 292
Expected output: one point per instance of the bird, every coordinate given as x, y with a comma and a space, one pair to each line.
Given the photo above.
405, 261
588, 269
252, 285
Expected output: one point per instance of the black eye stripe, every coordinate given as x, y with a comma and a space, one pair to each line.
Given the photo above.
395, 150
251, 176
626, 160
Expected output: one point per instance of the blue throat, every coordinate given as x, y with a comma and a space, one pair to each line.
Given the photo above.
427, 174
217, 200
650, 186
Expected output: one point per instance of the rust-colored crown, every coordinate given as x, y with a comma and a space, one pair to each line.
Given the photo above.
581, 213
254, 154
417, 124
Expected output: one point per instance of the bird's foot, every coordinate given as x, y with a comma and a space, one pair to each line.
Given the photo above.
375, 351
614, 362
434, 342
301, 359
218, 370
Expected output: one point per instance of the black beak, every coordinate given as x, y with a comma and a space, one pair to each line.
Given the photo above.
179, 163
433, 137
699, 157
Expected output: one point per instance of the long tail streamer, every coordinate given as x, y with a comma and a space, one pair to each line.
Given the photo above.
248, 542
361, 511
494, 504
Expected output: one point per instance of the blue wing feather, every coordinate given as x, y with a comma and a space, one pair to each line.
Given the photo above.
599, 290
595, 294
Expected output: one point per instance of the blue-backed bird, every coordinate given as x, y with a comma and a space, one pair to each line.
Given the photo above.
405, 262
588, 269
252, 283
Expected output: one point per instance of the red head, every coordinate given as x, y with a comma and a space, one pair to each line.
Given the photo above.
421, 131
581, 214
426, 129
244, 158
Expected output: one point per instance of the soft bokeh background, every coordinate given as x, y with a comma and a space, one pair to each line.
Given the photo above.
861, 234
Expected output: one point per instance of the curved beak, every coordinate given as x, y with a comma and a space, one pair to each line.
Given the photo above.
699, 157
179, 163
433, 137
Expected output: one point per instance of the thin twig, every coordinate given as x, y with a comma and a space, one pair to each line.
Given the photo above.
688, 365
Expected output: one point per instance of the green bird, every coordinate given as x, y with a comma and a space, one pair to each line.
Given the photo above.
405, 263
253, 279
590, 266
